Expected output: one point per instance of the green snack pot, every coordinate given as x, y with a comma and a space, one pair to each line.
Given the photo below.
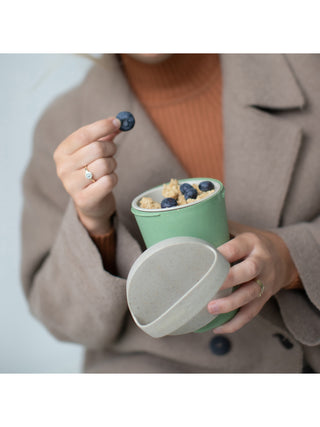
205, 219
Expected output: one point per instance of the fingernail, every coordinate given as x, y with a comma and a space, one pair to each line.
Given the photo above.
213, 308
216, 330
116, 123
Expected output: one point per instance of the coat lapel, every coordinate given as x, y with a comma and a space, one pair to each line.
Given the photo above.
260, 145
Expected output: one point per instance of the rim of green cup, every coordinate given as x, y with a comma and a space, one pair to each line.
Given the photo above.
136, 208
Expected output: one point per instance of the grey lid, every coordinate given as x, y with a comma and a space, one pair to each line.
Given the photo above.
171, 283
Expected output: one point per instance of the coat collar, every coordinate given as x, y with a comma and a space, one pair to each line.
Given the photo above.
265, 81
260, 145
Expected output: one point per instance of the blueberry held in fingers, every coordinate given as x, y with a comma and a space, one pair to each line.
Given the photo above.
127, 120
206, 186
184, 187
191, 193
169, 202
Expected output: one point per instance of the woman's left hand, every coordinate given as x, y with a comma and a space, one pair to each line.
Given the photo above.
263, 256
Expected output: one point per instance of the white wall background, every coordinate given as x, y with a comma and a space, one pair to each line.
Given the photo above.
28, 83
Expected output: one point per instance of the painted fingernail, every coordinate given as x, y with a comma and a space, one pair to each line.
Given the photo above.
116, 123
213, 308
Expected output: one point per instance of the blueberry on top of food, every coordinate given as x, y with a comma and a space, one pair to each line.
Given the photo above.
169, 202
191, 193
127, 120
206, 186
184, 187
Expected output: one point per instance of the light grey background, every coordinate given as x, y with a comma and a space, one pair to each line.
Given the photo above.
28, 84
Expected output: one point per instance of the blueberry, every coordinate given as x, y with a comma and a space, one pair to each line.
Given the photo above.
127, 120
169, 202
184, 187
191, 193
206, 186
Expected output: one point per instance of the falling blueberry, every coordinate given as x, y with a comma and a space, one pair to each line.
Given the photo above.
191, 193
127, 120
169, 202
184, 187
206, 186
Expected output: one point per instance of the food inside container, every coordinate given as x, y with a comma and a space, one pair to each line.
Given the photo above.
176, 194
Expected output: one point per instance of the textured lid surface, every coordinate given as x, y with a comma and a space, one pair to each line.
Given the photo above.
172, 281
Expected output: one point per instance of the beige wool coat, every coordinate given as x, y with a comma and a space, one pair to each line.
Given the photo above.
271, 111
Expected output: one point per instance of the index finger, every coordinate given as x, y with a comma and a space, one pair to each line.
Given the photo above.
89, 133
237, 248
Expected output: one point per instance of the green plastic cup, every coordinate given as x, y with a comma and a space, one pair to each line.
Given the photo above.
205, 219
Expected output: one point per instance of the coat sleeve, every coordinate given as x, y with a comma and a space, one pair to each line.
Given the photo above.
62, 272
300, 310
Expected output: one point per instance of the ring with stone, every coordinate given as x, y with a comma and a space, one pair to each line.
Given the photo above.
88, 174
260, 283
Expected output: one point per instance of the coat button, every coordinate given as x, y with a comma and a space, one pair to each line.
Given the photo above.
284, 341
220, 345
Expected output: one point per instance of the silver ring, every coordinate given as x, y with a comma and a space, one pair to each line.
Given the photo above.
88, 174
260, 283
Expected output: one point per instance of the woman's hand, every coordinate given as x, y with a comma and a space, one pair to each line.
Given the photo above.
92, 147
263, 256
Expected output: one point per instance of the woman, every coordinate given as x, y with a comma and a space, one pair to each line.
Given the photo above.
249, 120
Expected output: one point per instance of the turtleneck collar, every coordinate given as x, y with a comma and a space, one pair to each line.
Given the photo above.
179, 77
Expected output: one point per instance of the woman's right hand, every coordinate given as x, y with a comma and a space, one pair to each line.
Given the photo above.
90, 146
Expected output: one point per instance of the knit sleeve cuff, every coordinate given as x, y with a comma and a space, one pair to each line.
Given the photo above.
106, 244
295, 284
